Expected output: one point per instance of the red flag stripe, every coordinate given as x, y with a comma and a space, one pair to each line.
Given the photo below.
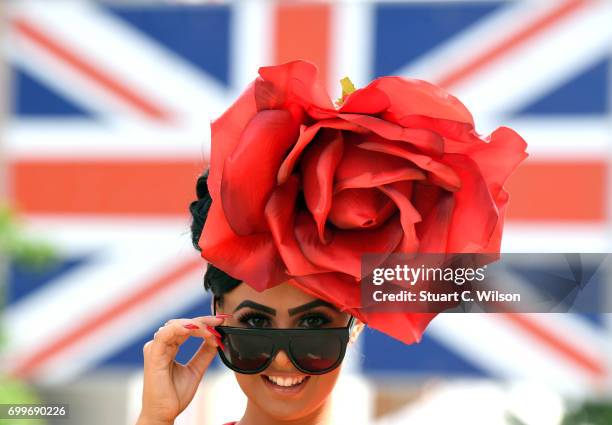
552, 17
558, 190
113, 187
540, 191
574, 355
28, 365
111, 84
303, 32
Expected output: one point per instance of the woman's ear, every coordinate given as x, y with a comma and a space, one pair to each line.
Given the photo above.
356, 330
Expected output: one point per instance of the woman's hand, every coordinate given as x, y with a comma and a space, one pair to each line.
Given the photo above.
169, 386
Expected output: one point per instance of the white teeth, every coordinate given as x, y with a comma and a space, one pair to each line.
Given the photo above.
286, 381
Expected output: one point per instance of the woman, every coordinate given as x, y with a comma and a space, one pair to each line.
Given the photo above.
299, 189
280, 391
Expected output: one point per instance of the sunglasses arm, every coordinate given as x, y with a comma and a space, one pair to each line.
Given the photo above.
213, 305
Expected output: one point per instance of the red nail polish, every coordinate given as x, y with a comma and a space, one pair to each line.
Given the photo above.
223, 316
191, 326
213, 331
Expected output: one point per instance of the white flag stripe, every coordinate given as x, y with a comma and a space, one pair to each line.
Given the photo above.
495, 344
115, 335
120, 252
68, 81
555, 237
82, 139
252, 34
352, 47
145, 67
496, 90
477, 38
564, 137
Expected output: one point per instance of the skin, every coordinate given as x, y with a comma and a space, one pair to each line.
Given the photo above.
169, 386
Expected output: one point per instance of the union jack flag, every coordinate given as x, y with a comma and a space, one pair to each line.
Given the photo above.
110, 129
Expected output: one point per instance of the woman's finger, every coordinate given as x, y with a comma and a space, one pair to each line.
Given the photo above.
169, 337
202, 358
210, 320
162, 350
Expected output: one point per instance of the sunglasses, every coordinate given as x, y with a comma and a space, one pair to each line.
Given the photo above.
312, 351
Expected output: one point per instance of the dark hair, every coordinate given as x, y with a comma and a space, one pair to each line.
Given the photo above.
215, 280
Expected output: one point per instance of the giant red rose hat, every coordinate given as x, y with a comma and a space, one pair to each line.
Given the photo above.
301, 188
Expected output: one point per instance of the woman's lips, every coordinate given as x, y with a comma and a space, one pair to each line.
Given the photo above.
284, 390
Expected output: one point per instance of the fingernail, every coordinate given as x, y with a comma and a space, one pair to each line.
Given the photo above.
191, 326
213, 331
223, 316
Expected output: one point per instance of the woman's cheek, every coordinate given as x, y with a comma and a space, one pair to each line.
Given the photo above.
324, 384
249, 384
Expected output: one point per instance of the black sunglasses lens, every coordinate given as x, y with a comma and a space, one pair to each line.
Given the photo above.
248, 352
316, 353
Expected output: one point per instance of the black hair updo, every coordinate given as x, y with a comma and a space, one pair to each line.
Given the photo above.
215, 280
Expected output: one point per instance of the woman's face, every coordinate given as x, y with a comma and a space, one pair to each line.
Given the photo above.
283, 306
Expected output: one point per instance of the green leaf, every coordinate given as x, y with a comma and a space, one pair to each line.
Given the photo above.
14, 244
347, 88
13, 391
592, 412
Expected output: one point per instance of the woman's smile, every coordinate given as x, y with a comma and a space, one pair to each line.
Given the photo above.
285, 384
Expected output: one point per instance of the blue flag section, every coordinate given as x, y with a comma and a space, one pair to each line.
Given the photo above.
108, 94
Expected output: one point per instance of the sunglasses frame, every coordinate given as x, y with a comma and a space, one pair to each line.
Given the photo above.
281, 338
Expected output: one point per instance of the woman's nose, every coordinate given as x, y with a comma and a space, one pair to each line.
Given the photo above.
281, 360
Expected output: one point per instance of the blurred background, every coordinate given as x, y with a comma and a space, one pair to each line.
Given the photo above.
104, 128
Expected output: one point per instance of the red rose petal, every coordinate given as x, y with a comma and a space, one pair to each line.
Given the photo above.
321, 114
337, 288
417, 97
475, 213
426, 140
379, 179
225, 132
425, 196
434, 229
400, 193
494, 244
293, 82
318, 166
360, 169
360, 208
252, 259
498, 158
306, 136
345, 248
280, 216
368, 100
445, 176
406, 327
249, 172
344, 292
459, 137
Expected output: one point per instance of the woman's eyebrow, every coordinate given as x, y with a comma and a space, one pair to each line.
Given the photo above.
255, 306
308, 306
